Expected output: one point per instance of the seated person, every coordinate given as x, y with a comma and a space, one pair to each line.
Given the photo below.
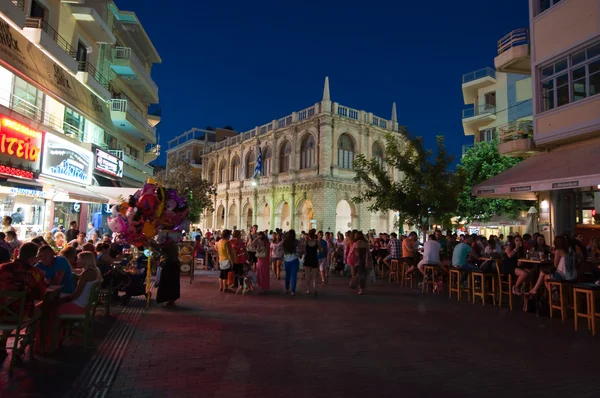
56, 269
21, 275
431, 255
137, 286
70, 253
564, 258
513, 251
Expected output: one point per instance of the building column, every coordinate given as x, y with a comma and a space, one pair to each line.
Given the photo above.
292, 204
325, 146
254, 209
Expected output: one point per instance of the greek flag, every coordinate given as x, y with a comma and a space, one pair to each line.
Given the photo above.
258, 166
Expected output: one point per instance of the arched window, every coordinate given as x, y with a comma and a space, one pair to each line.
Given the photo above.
211, 173
250, 163
285, 152
307, 152
378, 153
223, 171
235, 169
345, 152
267, 155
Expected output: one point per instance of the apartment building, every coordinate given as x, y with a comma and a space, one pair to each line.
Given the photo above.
500, 97
565, 175
191, 145
75, 85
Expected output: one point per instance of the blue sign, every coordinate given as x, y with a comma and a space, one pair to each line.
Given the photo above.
66, 161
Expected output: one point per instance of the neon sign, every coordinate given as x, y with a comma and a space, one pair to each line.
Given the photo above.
11, 171
66, 161
19, 140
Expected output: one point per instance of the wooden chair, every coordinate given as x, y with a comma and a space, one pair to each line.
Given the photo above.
429, 270
590, 291
394, 271
454, 282
504, 286
467, 289
79, 321
561, 287
15, 324
406, 282
484, 278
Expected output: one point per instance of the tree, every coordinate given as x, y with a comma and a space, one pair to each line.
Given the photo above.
479, 164
426, 190
187, 181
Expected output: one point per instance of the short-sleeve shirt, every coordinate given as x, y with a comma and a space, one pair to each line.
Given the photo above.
408, 248
323, 252
459, 256
394, 248
60, 264
239, 246
431, 252
19, 276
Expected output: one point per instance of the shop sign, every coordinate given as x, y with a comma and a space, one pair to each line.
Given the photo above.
28, 192
526, 188
484, 191
564, 185
20, 148
76, 207
108, 164
66, 161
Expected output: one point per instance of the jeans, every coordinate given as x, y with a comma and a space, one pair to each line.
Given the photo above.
291, 274
468, 267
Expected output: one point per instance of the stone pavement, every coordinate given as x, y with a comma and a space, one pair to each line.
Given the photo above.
390, 342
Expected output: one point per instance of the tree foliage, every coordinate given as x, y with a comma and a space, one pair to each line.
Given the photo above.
425, 191
187, 181
479, 164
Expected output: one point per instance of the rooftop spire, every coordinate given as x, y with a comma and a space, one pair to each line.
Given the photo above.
326, 96
394, 113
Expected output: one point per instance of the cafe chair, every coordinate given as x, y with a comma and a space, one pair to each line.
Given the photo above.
505, 285
79, 321
454, 282
479, 283
14, 322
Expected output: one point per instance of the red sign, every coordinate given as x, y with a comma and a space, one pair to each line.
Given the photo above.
20, 148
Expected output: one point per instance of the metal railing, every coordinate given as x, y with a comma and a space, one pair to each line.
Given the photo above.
39, 23
518, 37
122, 105
127, 53
19, 3
85, 66
515, 131
132, 161
479, 74
153, 149
478, 110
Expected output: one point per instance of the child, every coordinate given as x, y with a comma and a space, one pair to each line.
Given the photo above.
249, 282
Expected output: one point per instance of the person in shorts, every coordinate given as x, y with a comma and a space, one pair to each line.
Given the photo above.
409, 254
322, 256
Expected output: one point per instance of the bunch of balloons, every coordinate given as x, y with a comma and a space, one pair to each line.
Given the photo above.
149, 210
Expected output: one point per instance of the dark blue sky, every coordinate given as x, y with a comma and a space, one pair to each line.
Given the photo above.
244, 63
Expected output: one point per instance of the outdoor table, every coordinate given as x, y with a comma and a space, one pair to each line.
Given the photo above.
47, 308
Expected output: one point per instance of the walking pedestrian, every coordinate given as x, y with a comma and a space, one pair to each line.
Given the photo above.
276, 254
239, 246
358, 257
263, 275
226, 258
291, 251
168, 287
311, 262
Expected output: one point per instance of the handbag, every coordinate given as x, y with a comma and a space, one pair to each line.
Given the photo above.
225, 264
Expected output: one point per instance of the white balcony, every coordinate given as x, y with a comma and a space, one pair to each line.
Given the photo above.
14, 10
473, 81
93, 24
134, 168
129, 119
128, 66
514, 53
95, 81
44, 36
516, 139
477, 117
152, 153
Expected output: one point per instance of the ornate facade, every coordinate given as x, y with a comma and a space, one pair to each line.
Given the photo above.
307, 176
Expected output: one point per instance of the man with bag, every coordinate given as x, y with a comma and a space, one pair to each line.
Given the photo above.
227, 258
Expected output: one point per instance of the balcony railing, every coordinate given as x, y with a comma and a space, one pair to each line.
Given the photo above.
132, 161
516, 131
518, 37
123, 105
89, 68
39, 23
153, 149
19, 3
479, 74
126, 53
478, 110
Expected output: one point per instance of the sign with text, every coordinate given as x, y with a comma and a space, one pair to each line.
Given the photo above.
20, 148
565, 185
108, 164
525, 188
64, 160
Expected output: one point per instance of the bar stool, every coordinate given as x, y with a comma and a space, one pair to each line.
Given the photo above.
562, 306
590, 290
428, 270
484, 278
394, 271
454, 282
468, 289
504, 286
405, 282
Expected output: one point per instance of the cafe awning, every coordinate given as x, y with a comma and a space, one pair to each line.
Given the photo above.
576, 166
113, 194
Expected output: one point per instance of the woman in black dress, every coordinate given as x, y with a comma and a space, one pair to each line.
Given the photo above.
311, 262
168, 286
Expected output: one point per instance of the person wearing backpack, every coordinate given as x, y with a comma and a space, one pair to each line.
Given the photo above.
564, 265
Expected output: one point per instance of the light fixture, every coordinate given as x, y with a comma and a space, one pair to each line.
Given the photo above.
254, 183
544, 204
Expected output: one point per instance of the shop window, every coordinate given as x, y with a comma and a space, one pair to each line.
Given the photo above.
27, 99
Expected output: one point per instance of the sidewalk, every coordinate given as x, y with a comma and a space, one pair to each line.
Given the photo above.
390, 342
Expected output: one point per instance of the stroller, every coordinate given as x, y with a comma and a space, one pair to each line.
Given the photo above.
338, 257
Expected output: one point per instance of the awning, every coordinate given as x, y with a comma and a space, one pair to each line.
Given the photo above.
113, 194
105, 181
76, 194
576, 166
499, 221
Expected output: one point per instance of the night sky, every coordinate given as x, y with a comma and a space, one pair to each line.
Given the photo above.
245, 63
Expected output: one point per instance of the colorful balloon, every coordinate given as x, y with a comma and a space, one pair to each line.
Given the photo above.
148, 204
149, 229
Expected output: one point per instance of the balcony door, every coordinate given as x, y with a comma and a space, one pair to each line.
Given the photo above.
82, 54
38, 11
490, 99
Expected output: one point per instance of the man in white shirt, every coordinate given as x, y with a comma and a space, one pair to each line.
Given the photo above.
431, 254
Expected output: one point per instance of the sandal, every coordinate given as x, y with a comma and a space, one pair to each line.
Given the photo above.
515, 291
